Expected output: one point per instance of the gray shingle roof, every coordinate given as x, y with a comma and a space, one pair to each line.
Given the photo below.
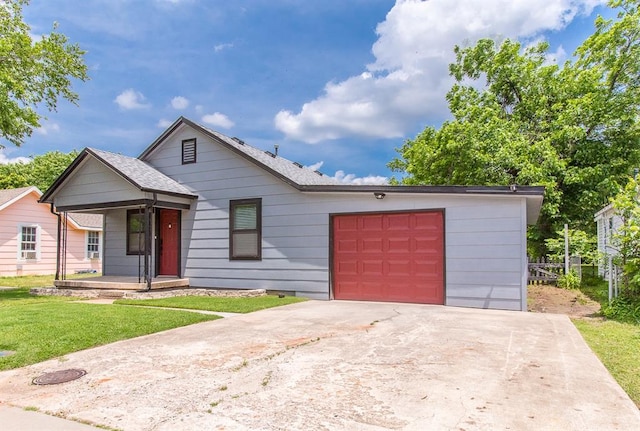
141, 174
85, 220
8, 195
295, 172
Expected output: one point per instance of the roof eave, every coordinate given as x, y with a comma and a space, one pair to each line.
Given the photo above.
183, 120
27, 192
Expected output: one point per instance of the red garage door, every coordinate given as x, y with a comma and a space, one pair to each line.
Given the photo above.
395, 257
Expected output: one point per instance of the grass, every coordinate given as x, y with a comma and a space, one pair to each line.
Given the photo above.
38, 328
213, 303
41, 328
618, 347
29, 281
617, 344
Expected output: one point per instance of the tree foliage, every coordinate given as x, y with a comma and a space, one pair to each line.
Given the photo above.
41, 171
573, 128
32, 72
580, 244
625, 240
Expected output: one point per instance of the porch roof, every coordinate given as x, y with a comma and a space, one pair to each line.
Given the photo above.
133, 171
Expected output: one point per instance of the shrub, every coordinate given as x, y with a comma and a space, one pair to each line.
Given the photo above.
623, 309
571, 280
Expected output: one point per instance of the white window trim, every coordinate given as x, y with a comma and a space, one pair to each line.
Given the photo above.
86, 245
19, 251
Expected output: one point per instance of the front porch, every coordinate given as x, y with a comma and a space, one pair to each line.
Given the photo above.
123, 283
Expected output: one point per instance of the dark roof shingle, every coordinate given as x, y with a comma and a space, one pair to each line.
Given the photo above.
141, 174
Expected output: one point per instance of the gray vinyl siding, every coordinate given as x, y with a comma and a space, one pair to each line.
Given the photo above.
93, 184
484, 235
115, 260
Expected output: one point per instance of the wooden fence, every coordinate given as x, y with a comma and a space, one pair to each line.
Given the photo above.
543, 271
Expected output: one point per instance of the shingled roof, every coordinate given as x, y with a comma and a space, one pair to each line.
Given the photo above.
140, 174
292, 173
8, 195
81, 220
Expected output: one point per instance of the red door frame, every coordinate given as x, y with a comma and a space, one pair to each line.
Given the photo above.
159, 241
444, 244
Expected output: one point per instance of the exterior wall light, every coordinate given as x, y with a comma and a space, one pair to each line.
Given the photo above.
379, 195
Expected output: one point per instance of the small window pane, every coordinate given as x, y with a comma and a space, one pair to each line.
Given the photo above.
245, 244
245, 217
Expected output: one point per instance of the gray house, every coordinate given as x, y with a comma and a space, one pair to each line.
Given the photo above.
212, 211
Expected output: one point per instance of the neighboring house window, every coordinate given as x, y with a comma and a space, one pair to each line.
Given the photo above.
245, 229
188, 151
93, 245
608, 230
135, 232
29, 244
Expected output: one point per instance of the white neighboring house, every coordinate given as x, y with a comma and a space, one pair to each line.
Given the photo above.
607, 223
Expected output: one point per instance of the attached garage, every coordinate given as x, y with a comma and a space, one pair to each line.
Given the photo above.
395, 256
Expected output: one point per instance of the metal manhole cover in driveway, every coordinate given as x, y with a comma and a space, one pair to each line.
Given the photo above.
57, 377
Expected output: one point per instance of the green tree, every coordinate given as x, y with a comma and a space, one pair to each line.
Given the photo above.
41, 171
32, 72
626, 238
572, 128
580, 244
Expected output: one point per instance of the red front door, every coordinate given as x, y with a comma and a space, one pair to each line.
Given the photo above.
169, 242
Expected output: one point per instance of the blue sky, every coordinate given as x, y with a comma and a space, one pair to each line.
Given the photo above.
337, 84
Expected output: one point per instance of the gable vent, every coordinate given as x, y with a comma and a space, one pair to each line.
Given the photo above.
238, 140
270, 154
188, 151
298, 164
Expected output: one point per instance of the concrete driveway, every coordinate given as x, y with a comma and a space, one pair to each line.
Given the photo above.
341, 366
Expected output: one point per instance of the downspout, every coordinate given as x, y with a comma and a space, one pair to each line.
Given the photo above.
57, 242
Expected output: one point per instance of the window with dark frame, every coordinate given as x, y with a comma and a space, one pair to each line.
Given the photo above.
135, 231
245, 229
188, 151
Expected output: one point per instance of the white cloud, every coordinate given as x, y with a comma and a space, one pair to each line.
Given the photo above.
353, 179
47, 128
222, 46
218, 120
4, 159
199, 109
163, 124
407, 82
131, 99
179, 103
315, 166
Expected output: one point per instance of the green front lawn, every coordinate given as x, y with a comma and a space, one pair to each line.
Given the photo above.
213, 303
41, 331
29, 281
617, 344
618, 347
38, 328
